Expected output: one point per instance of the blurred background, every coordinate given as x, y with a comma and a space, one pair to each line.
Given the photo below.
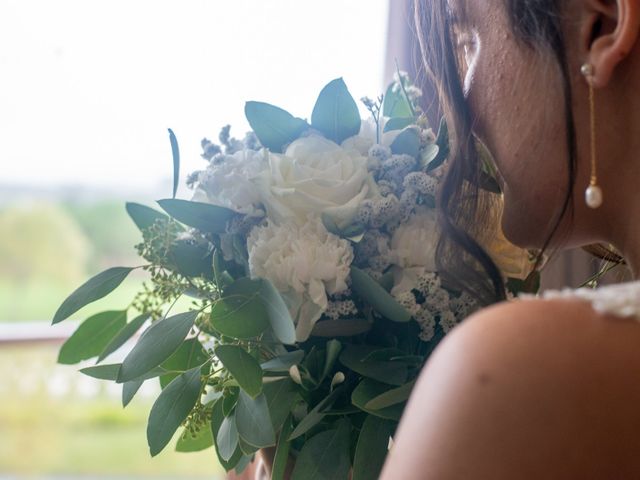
87, 92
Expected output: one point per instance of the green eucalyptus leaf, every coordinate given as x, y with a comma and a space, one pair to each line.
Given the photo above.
171, 408
92, 336
253, 421
129, 390
156, 345
316, 415
336, 113
395, 103
355, 358
376, 296
125, 333
333, 349
202, 440
325, 456
274, 127
407, 143
94, 289
278, 313
227, 438
343, 327
244, 368
442, 141
281, 458
369, 389
398, 123
175, 153
217, 417
280, 395
241, 313
191, 259
247, 448
143, 216
203, 216
189, 355
372, 448
391, 397
230, 401
283, 362
102, 372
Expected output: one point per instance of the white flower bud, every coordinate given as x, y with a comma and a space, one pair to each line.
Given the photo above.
294, 373
337, 379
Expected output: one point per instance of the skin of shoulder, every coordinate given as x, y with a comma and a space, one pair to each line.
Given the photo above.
529, 390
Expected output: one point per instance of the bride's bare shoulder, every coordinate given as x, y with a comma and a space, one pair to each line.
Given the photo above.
528, 389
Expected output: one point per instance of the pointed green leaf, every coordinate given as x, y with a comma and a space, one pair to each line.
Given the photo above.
333, 350
244, 368
171, 409
398, 123
354, 357
281, 458
253, 422
129, 390
217, 417
189, 355
102, 372
92, 290
284, 362
369, 389
278, 313
280, 397
156, 345
175, 153
375, 295
274, 127
247, 448
335, 113
230, 401
125, 333
227, 438
241, 312
407, 143
143, 216
203, 216
202, 441
372, 448
316, 415
325, 456
395, 103
391, 397
92, 336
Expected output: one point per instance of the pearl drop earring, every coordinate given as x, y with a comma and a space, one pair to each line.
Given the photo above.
593, 195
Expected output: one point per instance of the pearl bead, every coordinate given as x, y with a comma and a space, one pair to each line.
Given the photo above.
593, 196
587, 70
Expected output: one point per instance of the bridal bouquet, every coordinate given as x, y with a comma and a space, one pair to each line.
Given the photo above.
308, 252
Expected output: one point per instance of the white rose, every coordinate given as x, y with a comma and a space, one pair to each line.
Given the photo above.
234, 182
316, 176
413, 249
305, 263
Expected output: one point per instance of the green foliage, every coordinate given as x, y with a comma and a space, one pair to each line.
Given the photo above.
325, 456
335, 113
375, 295
227, 438
124, 334
189, 355
175, 153
274, 127
407, 143
92, 290
143, 216
399, 123
171, 409
92, 337
396, 103
244, 368
371, 449
356, 358
369, 389
203, 216
156, 345
253, 421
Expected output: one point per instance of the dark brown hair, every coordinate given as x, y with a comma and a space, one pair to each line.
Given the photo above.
467, 211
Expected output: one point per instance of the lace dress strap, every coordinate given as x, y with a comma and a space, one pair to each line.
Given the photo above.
622, 300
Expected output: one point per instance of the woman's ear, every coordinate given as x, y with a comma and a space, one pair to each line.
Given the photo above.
609, 34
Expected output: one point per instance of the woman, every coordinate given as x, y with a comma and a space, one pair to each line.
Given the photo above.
537, 389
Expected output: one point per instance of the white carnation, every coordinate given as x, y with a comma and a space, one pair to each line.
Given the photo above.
316, 176
305, 263
234, 182
413, 249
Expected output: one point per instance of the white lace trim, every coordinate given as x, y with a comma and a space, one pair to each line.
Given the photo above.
622, 300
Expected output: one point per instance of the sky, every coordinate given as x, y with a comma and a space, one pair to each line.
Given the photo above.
88, 88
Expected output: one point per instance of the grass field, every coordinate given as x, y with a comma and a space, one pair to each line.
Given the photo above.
43, 434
